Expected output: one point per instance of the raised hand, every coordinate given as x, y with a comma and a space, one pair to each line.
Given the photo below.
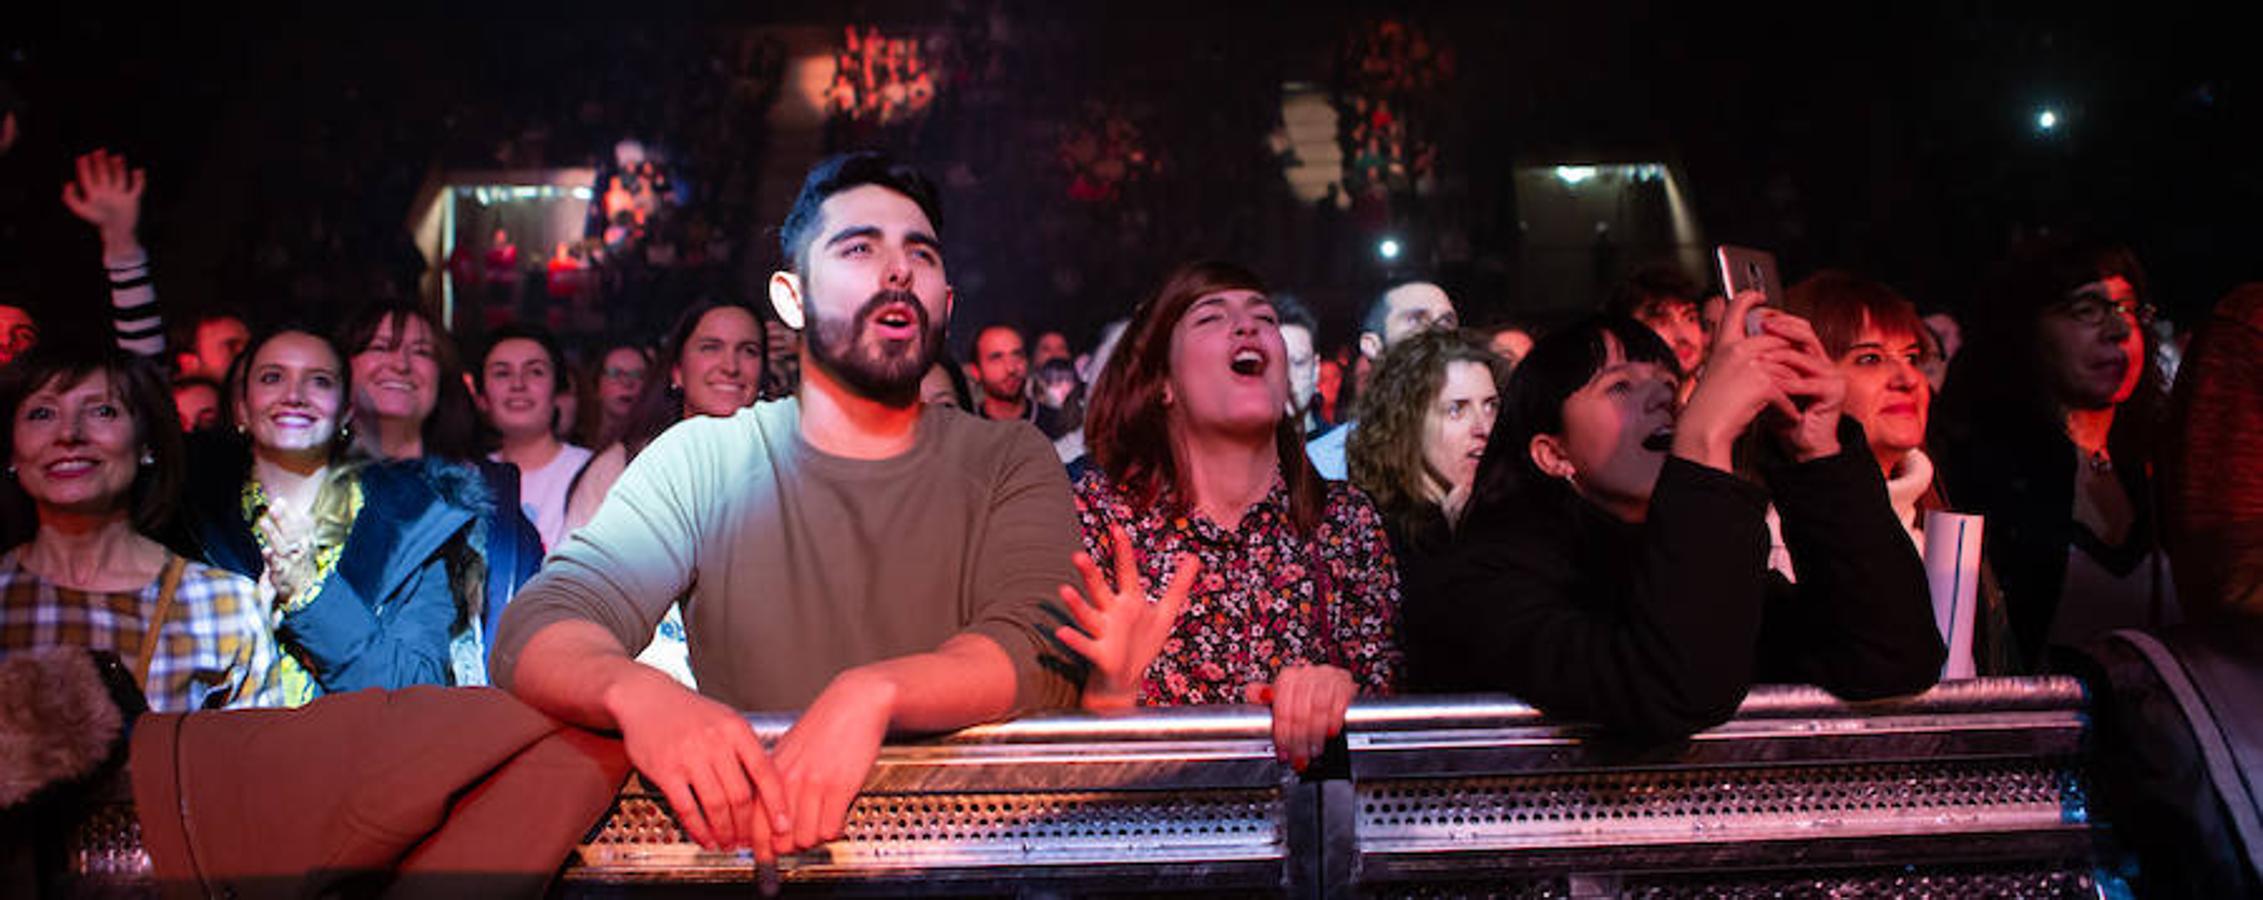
1123, 630
1308, 708
1740, 381
107, 194
1818, 391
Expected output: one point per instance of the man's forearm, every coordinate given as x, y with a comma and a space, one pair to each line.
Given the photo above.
577, 671
968, 680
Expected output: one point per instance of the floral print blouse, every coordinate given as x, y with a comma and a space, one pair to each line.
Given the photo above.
1266, 598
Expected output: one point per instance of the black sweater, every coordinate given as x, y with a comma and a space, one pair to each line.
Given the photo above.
1656, 630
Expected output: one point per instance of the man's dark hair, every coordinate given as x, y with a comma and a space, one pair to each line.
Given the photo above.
974, 345
1379, 309
841, 172
1292, 311
1650, 284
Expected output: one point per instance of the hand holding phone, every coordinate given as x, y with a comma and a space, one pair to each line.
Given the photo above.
1745, 269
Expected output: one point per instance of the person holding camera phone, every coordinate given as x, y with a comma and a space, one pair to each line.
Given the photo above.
1613, 569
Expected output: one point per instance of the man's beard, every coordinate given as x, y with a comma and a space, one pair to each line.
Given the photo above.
885, 371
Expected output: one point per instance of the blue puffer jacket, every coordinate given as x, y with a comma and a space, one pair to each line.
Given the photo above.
409, 600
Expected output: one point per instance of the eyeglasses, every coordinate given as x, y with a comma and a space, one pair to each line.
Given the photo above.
2091, 309
622, 376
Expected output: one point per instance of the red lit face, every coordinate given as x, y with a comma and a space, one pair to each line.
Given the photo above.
1887, 391
1680, 325
18, 333
2094, 366
198, 405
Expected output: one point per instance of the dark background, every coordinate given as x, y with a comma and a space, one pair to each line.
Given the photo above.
287, 147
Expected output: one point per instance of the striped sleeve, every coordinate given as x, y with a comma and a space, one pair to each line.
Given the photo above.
135, 318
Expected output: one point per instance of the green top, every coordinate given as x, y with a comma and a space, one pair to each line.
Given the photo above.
796, 565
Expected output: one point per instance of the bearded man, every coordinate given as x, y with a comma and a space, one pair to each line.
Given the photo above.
881, 564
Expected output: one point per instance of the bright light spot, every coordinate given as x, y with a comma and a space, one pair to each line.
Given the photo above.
2047, 120
1573, 175
1389, 248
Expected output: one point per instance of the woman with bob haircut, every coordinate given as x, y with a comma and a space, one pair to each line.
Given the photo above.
1424, 422
1614, 569
1275, 586
1882, 347
93, 444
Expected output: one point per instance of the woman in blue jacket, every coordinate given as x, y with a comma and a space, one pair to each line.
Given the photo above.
378, 570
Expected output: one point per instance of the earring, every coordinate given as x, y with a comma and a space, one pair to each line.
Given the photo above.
148, 458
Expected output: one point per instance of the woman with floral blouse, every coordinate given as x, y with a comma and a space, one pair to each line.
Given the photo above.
1234, 573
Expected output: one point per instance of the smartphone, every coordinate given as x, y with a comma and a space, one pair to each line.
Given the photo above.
1745, 269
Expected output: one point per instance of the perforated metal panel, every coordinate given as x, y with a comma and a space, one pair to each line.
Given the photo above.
2029, 883
982, 829
1523, 889
107, 847
1571, 809
1896, 883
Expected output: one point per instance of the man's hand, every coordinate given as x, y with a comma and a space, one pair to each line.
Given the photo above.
825, 758
706, 759
107, 195
1308, 708
1122, 630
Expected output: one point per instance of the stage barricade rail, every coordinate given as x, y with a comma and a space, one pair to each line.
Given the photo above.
1974, 789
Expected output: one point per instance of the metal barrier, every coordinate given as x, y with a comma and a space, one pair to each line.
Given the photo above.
1973, 789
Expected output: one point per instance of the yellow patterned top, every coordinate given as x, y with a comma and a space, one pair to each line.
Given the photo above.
328, 544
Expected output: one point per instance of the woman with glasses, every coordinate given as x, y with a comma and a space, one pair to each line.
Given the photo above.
618, 379
2047, 428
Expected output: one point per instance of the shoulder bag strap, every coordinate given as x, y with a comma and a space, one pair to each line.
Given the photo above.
168, 586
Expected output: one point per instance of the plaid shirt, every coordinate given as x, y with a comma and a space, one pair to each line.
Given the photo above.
215, 647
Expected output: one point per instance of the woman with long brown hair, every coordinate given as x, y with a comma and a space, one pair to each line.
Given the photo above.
1277, 587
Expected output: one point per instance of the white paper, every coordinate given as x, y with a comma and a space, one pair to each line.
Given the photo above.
1952, 571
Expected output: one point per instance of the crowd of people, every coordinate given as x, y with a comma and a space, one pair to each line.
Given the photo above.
809, 505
